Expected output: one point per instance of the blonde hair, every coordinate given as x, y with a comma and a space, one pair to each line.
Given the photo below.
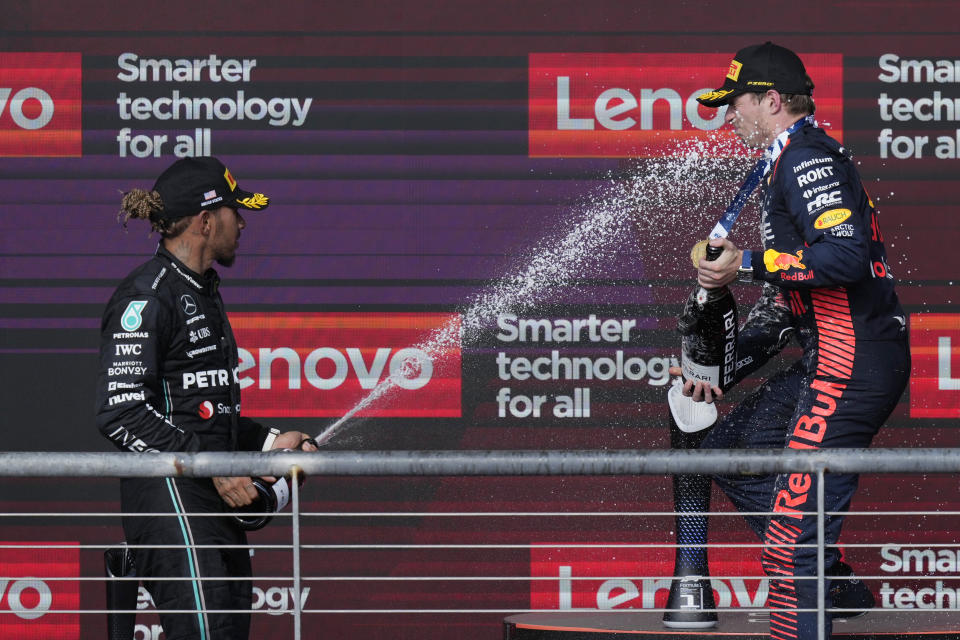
147, 205
800, 104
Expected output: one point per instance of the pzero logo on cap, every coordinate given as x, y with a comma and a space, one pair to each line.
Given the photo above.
734, 71
229, 179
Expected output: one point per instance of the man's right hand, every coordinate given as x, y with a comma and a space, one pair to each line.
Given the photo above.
713, 274
236, 492
700, 391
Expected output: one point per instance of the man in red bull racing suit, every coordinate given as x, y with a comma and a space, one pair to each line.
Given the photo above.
168, 382
825, 281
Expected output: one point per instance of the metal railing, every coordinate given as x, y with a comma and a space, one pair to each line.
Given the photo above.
483, 463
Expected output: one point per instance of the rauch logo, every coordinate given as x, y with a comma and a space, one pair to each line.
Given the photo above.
617, 105
323, 364
935, 379
29, 600
40, 100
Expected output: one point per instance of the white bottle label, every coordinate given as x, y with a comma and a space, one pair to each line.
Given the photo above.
699, 372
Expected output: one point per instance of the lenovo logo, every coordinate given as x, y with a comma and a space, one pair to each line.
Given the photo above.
40, 100
615, 577
33, 591
644, 105
935, 379
323, 364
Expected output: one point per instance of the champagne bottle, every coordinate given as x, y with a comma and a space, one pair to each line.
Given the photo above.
708, 325
271, 498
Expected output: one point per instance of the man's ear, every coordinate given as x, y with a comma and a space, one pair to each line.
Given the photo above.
776, 101
205, 222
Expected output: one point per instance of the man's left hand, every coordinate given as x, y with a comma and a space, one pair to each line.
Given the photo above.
293, 440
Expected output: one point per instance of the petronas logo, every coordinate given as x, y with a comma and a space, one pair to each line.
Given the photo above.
132, 317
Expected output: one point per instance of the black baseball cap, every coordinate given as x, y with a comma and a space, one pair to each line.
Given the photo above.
760, 67
190, 185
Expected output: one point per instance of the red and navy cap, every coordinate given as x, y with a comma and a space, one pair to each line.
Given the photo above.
759, 68
191, 185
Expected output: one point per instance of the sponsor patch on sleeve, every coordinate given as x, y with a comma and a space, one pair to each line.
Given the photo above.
831, 218
132, 316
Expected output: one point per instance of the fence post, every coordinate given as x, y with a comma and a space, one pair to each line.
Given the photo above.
295, 528
821, 540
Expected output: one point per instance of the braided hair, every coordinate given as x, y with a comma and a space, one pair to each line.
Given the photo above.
145, 205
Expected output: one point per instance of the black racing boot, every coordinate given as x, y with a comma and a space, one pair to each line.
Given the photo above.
694, 596
848, 592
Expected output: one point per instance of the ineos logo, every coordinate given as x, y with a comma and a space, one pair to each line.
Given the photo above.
28, 598
20, 115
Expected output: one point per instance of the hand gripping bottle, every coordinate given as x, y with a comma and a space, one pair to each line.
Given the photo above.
708, 326
271, 497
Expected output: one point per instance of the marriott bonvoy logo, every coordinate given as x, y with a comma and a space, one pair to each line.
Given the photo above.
616, 105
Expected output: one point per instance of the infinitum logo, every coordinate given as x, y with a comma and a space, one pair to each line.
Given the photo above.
935, 380
40, 104
323, 364
644, 104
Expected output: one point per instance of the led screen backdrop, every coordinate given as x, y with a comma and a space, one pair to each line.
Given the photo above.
495, 199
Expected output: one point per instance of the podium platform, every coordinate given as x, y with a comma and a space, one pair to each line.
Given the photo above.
877, 624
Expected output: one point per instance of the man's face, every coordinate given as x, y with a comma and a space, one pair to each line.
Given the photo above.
226, 235
748, 117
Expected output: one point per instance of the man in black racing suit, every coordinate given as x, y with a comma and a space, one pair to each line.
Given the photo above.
168, 382
826, 282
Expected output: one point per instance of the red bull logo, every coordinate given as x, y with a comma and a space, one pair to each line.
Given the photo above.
776, 261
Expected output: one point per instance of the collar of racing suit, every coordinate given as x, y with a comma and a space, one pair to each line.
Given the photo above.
780, 142
209, 282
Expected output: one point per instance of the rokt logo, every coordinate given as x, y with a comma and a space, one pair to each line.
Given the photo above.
40, 102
